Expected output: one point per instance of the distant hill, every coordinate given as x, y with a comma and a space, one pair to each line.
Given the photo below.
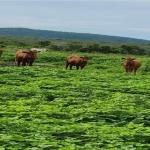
25, 32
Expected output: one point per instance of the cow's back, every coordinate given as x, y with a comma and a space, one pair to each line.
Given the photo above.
22, 56
136, 63
20, 52
79, 61
71, 59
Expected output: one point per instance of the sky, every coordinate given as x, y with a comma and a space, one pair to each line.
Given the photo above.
125, 18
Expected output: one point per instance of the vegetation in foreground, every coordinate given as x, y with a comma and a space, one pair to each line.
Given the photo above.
99, 107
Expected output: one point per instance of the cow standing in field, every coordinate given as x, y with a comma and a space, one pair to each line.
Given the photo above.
25, 57
76, 61
131, 64
1, 52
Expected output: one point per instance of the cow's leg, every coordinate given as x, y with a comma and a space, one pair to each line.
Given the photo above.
77, 67
135, 71
70, 67
23, 63
67, 65
126, 70
30, 64
18, 63
82, 67
131, 69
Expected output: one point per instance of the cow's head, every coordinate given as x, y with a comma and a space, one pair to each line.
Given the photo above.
29, 53
128, 64
85, 58
128, 61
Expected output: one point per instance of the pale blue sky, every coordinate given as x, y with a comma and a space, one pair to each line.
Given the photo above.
126, 18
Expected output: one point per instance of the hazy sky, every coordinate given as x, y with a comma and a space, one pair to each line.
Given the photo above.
126, 18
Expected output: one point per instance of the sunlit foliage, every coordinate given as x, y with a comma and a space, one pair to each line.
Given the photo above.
99, 107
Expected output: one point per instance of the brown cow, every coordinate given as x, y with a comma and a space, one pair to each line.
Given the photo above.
76, 61
25, 57
131, 64
17, 54
1, 52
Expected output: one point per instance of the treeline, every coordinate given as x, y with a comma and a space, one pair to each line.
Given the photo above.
73, 45
123, 49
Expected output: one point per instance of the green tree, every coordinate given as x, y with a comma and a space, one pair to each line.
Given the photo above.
74, 45
43, 43
106, 49
90, 48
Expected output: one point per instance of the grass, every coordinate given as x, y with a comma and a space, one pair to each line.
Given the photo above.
99, 107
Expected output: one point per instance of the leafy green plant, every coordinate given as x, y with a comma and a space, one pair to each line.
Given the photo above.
48, 107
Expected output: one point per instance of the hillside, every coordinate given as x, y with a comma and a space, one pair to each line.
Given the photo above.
25, 32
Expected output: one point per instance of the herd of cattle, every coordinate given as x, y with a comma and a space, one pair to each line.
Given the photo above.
24, 58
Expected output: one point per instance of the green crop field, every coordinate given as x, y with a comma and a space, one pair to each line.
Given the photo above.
46, 107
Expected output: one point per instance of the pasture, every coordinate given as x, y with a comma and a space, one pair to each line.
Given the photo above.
47, 107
